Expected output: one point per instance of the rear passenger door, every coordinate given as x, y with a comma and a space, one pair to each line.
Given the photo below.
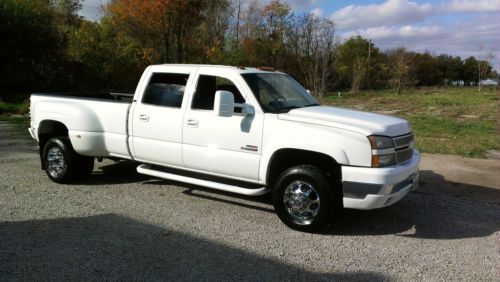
157, 119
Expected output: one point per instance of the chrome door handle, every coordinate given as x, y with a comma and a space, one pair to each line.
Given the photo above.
192, 122
143, 117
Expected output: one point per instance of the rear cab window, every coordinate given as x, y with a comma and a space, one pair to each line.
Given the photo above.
165, 89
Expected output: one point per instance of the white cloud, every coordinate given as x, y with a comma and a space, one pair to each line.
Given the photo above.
317, 12
474, 6
390, 12
461, 39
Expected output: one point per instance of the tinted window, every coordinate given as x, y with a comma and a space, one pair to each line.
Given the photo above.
278, 93
165, 89
204, 96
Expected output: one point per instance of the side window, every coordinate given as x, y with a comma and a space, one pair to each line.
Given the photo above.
204, 96
165, 89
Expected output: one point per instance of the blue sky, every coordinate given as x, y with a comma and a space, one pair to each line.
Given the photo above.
457, 27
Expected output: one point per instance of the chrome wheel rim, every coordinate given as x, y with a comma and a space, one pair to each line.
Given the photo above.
56, 166
301, 201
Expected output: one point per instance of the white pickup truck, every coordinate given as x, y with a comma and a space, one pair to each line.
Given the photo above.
243, 130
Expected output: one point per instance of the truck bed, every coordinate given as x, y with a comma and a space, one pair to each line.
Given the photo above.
107, 96
96, 122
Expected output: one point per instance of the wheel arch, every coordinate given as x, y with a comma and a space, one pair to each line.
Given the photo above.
285, 158
47, 129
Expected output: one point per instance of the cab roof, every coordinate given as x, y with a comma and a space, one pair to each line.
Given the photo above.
239, 69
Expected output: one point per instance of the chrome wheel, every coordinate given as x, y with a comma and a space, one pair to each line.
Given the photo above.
301, 201
56, 164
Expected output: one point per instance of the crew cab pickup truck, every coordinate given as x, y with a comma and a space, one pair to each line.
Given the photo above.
243, 130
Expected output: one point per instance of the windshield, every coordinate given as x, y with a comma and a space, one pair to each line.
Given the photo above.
278, 93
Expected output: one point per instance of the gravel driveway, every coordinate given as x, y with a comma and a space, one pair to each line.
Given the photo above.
119, 225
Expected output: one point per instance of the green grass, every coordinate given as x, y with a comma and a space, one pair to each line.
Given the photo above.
458, 121
14, 108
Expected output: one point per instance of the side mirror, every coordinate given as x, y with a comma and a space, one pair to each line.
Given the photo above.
248, 110
224, 103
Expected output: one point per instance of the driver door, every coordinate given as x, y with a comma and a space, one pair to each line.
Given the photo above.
224, 146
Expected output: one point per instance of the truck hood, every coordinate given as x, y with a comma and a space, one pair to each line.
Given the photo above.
353, 120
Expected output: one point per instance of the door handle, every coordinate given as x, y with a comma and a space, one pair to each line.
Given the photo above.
192, 122
143, 117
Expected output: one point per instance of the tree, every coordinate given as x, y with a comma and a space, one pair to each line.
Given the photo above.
483, 67
425, 70
314, 43
399, 60
470, 69
32, 46
352, 60
163, 26
211, 33
450, 68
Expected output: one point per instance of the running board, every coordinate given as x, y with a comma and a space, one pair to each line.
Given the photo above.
145, 169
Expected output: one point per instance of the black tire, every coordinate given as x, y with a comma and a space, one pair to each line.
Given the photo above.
303, 199
62, 164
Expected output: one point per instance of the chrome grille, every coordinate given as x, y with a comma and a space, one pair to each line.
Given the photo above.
404, 148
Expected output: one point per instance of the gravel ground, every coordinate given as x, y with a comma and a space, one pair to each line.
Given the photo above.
119, 225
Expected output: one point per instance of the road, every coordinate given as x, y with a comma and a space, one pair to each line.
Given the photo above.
119, 225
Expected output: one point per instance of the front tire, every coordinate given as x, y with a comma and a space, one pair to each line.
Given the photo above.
62, 164
303, 199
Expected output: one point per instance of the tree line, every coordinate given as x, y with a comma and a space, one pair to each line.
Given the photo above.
49, 47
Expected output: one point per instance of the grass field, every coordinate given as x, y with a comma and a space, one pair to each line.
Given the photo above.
458, 121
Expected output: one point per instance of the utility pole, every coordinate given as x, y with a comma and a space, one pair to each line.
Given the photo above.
368, 67
238, 24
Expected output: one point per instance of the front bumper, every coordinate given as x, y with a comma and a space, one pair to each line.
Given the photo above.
369, 188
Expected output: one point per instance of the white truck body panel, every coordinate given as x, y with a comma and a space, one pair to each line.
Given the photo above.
209, 138
239, 147
100, 125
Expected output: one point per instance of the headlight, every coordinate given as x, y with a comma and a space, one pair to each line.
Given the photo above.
381, 142
383, 160
383, 151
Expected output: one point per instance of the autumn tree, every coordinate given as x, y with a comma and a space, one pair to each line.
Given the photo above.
165, 28
276, 21
212, 32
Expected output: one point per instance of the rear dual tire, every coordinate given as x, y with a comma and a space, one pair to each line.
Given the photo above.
62, 164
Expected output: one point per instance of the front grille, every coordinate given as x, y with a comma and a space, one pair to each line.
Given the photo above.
403, 155
404, 148
403, 141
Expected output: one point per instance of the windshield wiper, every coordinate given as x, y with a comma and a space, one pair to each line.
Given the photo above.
311, 105
287, 109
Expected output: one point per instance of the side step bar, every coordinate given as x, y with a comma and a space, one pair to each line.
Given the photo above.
145, 169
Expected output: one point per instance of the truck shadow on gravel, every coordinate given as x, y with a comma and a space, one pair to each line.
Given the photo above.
439, 209
112, 247
119, 172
